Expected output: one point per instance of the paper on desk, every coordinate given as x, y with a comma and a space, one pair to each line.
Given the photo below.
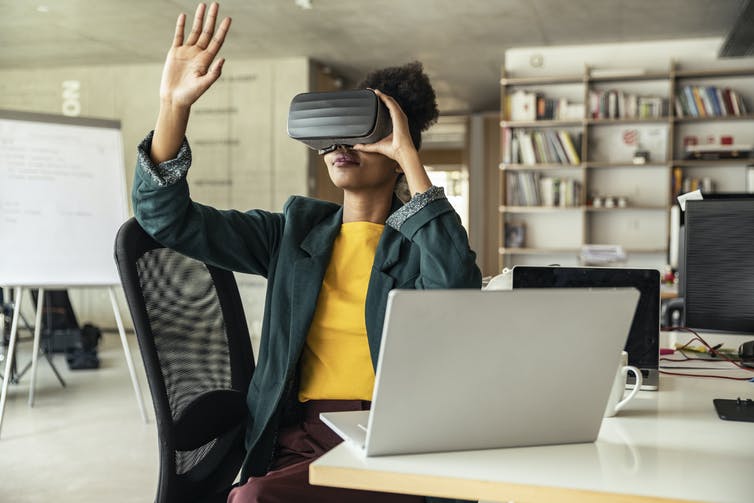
695, 195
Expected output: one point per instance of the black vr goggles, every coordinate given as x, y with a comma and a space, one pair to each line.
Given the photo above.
325, 120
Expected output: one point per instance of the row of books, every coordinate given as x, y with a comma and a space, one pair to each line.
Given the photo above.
528, 188
613, 104
529, 106
691, 101
536, 147
708, 101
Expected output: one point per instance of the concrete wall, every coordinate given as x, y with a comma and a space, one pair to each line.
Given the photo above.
243, 157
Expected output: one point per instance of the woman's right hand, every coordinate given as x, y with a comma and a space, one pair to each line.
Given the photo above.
191, 68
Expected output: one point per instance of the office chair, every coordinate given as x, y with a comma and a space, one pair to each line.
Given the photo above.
197, 354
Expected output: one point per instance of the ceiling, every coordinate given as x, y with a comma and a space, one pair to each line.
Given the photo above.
461, 42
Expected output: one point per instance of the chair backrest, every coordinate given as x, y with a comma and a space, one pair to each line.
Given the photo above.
197, 355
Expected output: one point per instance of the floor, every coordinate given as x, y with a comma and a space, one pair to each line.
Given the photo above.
83, 443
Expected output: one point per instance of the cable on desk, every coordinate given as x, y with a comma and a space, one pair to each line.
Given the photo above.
714, 376
713, 350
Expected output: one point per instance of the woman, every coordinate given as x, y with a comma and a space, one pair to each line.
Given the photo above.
328, 268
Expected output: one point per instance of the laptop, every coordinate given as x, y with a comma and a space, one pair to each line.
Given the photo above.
474, 369
643, 343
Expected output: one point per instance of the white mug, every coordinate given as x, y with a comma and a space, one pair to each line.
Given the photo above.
616, 401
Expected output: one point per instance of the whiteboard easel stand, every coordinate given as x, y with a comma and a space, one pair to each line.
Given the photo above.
18, 292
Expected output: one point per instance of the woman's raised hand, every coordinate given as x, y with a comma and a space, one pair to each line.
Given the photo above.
191, 68
399, 146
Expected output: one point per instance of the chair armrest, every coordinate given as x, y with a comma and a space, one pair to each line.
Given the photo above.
207, 417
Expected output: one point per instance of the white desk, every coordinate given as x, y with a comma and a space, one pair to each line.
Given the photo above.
665, 446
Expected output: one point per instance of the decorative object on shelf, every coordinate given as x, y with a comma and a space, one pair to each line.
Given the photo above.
631, 138
609, 202
522, 106
515, 235
640, 157
684, 184
620, 144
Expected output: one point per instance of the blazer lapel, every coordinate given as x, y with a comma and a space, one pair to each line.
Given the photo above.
380, 283
308, 274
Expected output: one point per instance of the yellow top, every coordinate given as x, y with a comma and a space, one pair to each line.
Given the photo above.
336, 363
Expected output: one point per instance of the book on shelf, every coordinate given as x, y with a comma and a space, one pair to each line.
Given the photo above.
698, 103
507, 137
526, 147
527, 188
709, 101
530, 106
569, 147
615, 104
540, 147
712, 102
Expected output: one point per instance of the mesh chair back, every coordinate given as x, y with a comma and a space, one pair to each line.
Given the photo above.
197, 354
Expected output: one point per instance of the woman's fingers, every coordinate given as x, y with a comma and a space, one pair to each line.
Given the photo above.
213, 73
365, 147
209, 26
397, 115
219, 38
393, 107
196, 29
381, 147
178, 38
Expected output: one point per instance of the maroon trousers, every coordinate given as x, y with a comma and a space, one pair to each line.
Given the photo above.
298, 446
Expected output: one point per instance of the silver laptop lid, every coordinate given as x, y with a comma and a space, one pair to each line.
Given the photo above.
471, 369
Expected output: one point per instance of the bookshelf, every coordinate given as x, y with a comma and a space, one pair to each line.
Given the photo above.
552, 203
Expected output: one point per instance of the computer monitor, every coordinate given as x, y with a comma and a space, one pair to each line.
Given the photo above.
718, 287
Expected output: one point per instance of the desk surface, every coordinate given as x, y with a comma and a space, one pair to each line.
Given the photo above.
665, 446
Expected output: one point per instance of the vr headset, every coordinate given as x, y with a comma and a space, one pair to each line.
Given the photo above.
325, 120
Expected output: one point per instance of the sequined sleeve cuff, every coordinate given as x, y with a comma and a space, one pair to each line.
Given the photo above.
412, 207
168, 172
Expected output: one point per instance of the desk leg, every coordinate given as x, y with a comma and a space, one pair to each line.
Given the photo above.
35, 350
11, 350
127, 353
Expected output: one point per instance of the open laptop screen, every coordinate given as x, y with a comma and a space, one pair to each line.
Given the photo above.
644, 338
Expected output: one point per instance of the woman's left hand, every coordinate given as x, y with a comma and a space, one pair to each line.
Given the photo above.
399, 146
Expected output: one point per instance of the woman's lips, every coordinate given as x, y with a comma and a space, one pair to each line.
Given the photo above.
343, 160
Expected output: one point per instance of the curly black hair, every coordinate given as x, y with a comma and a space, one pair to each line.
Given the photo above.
410, 87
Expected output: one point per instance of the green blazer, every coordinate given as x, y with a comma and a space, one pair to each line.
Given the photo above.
292, 250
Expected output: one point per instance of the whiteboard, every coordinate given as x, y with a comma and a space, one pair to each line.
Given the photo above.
62, 199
